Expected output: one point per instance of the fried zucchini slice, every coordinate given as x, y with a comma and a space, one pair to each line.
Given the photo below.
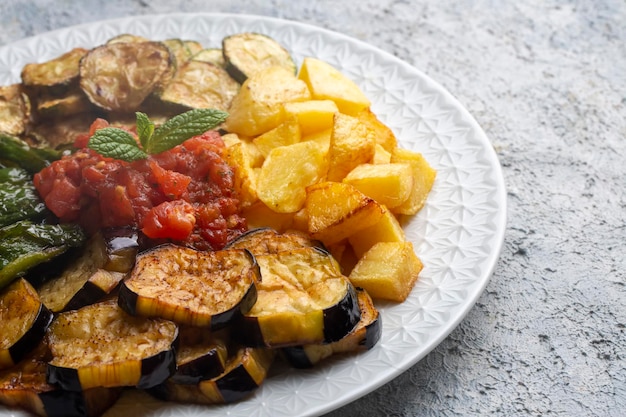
102, 346
364, 336
245, 372
74, 102
212, 55
203, 85
302, 299
63, 131
247, 53
23, 321
127, 38
201, 355
24, 386
264, 240
208, 289
15, 109
92, 275
119, 76
55, 76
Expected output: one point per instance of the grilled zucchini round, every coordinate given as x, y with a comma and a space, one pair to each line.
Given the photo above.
200, 85
23, 321
208, 289
247, 53
119, 76
102, 346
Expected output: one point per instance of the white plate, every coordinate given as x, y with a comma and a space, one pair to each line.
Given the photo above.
458, 235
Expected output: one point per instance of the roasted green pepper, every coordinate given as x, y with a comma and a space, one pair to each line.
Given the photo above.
25, 244
19, 199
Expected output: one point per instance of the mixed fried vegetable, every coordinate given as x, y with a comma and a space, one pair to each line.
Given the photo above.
175, 219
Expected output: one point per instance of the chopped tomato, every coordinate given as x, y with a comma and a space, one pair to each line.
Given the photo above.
185, 194
171, 219
173, 184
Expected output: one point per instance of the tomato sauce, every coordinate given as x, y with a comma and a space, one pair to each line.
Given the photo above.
185, 194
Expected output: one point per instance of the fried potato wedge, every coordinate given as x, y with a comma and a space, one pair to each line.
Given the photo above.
258, 107
336, 211
351, 143
388, 184
286, 173
423, 180
328, 83
389, 270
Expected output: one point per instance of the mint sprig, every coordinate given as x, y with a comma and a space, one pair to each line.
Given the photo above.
118, 143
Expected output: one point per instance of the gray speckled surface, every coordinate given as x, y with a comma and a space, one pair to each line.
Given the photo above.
547, 82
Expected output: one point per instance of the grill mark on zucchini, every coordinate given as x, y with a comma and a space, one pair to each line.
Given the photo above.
208, 289
23, 322
247, 53
102, 346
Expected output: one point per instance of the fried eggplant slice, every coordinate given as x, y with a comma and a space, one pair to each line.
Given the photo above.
15, 109
265, 240
200, 85
197, 288
245, 372
364, 336
55, 76
100, 345
24, 386
201, 355
247, 53
92, 275
302, 299
119, 76
24, 320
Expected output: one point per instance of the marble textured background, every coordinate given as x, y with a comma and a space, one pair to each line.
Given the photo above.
547, 82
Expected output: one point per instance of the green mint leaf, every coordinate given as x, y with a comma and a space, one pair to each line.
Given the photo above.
145, 128
182, 127
116, 143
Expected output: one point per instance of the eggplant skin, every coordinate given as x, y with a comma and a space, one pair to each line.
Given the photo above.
246, 371
34, 336
24, 386
191, 287
364, 336
265, 240
102, 346
303, 299
23, 322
